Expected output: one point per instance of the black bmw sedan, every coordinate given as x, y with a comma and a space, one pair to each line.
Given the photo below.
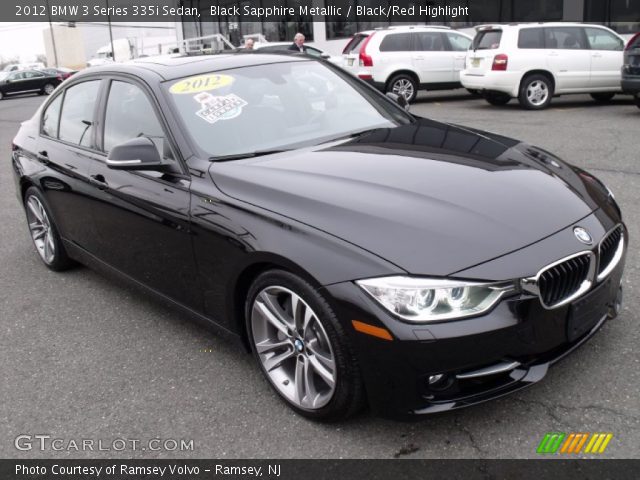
363, 254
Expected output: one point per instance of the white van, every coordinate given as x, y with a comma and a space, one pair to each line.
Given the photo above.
534, 62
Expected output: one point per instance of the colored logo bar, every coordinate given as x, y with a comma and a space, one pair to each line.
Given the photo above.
574, 443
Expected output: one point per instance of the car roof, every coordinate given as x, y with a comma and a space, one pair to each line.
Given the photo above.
170, 67
499, 26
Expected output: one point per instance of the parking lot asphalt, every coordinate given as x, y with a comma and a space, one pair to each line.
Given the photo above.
85, 357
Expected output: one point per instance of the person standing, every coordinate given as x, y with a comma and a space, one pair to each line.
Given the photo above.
298, 43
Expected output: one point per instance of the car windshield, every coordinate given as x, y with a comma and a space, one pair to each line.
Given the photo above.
277, 106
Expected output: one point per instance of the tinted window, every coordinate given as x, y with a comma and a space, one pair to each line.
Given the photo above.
487, 40
429, 42
77, 113
354, 44
129, 115
51, 118
566, 38
397, 42
602, 40
458, 43
33, 74
531, 38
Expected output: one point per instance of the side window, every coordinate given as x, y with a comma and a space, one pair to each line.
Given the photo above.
76, 121
531, 38
429, 42
396, 42
129, 115
566, 38
51, 118
600, 39
459, 43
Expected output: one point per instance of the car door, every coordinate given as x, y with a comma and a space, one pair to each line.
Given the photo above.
458, 45
66, 147
606, 58
142, 217
568, 57
431, 58
15, 82
32, 80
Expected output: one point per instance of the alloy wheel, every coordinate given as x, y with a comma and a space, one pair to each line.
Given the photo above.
48, 89
293, 348
41, 231
537, 92
403, 87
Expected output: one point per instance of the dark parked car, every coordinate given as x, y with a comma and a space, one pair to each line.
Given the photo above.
631, 68
28, 81
62, 72
361, 252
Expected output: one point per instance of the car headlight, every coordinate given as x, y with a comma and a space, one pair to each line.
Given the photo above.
428, 300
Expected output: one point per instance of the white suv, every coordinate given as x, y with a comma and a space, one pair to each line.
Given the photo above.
404, 59
534, 62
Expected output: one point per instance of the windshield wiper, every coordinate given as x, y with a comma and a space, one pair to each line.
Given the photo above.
238, 156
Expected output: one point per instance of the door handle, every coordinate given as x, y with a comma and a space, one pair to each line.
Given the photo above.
43, 157
461, 57
99, 181
553, 54
418, 58
597, 55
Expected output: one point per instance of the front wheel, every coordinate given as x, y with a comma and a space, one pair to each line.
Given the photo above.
603, 97
301, 347
637, 99
44, 232
403, 85
536, 92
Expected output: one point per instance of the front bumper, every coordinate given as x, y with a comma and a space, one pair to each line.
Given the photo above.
516, 343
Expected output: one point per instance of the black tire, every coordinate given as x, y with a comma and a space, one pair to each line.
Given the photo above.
603, 97
48, 89
473, 92
497, 99
347, 397
637, 99
536, 92
405, 85
58, 260
1, 95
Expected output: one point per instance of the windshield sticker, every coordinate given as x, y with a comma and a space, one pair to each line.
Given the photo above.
200, 83
223, 107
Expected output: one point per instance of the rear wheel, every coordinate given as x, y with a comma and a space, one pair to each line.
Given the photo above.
497, 98
44, 232
536, 92
48, 89
404, 85
603, 97
301, 347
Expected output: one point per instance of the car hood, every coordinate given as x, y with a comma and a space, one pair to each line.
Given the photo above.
432, 198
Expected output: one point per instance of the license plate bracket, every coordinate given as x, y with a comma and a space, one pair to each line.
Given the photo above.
475, 62
585, 313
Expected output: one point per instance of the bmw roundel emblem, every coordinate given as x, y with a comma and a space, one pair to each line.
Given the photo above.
582, 235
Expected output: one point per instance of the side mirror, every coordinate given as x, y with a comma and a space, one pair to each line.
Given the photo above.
399, 99
136, 154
